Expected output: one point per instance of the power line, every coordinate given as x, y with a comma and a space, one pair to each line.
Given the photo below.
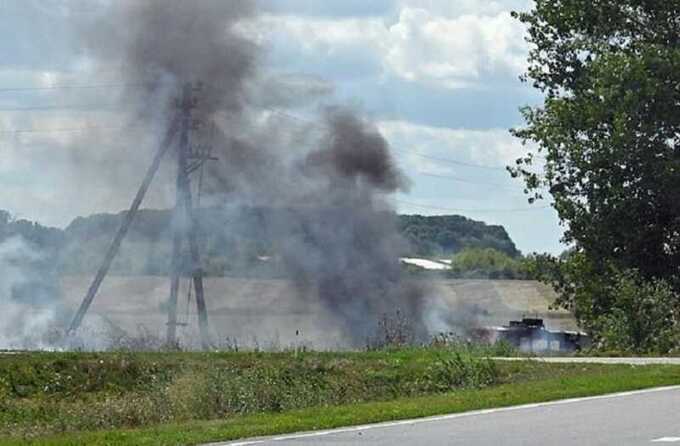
74, 87
449, 160
463, 180
402, 150
446, 209
59, 130
62, 107
481, 183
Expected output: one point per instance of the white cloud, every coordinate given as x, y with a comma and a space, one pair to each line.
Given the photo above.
320, 34
450, 9
454, 52
489, 147
420, 46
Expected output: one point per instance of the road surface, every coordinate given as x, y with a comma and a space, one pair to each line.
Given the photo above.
647, 417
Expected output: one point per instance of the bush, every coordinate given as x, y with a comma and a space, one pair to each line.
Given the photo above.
487, 263
454, 342
263, 389
644, 316
461, 370
622, 309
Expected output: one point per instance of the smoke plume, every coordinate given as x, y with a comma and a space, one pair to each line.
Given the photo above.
29, 308
335, 230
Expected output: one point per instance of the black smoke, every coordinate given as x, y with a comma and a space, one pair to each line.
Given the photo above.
335, 234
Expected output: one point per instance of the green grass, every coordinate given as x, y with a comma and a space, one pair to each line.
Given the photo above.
380, 386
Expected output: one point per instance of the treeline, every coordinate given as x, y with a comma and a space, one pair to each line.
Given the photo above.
29, 260
478, 263
244, 241
449, 234
489, 263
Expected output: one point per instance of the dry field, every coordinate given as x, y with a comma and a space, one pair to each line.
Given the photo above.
268, 313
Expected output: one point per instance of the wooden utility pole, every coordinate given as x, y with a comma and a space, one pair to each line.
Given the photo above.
186, 226
127, 221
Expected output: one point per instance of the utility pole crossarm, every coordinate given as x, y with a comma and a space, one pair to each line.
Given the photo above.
122, 231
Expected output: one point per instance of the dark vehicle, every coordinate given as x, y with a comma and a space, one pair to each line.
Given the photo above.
530, 335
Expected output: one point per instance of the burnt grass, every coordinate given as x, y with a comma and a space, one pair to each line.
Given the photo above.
52, 393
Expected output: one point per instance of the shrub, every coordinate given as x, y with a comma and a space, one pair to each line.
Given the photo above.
644, 316
487, 263
454, 342
460, 370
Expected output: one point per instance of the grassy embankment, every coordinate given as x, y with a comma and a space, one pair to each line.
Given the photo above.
189, 398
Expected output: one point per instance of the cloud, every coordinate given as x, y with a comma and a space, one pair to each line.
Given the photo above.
336, 49
490, 147
387, 8
289, 90
343, 8
457, 8
420, 46
35, 35
454, 53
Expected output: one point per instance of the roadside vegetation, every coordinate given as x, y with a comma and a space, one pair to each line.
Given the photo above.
185, 398
46, 393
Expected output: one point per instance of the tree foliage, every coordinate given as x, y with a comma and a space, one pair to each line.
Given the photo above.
232, 243
644, 316
605, 141
449, 234
28, 259
487, 263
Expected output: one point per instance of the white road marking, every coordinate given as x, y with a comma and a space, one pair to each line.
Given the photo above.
450, 417
667, 440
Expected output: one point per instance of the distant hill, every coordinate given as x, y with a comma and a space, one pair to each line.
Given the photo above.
233, 241
443, 235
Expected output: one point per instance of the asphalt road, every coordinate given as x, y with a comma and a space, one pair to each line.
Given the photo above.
645, 417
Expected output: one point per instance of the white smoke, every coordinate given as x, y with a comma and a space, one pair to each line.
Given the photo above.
27, 322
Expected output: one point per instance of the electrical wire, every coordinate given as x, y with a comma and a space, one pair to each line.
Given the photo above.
318, 126
463, 180
439, 208
402, 150
66, 129
449, 160
83, 107
75, 87
445, 177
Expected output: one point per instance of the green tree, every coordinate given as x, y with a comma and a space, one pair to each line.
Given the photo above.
644, 316
605, 141
487, 263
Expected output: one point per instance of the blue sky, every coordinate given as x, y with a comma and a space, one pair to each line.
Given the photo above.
439, 77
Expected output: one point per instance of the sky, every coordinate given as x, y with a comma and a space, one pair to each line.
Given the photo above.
438, 77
